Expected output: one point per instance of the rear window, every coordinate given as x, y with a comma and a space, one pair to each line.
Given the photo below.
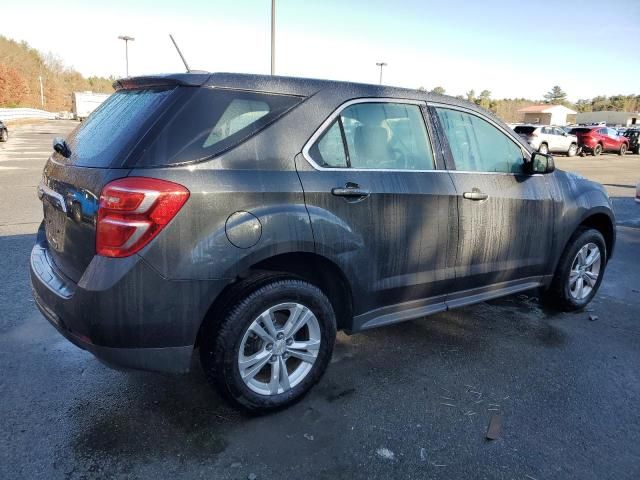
204, 122
579, 130
522, 130
113, 128
176, 125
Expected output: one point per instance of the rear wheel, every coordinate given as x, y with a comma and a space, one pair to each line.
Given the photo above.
544, 148
573, 150
272, 346
579, 271
4, 135
638, 150
623, 149
597, 150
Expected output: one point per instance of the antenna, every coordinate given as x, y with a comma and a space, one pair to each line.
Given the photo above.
180, 53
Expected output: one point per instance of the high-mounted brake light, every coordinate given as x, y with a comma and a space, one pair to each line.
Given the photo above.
133, 210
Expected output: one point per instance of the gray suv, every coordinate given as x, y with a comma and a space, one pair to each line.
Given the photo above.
251, 217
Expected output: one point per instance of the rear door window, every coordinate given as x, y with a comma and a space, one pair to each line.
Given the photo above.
376, 135
478, 146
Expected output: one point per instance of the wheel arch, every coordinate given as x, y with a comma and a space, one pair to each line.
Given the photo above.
604, 224
315, 269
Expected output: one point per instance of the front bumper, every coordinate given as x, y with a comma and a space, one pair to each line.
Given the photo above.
122, 310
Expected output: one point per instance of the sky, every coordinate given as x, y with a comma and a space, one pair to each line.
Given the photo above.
514, 48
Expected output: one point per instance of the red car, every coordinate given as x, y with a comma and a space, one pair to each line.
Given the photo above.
598, 139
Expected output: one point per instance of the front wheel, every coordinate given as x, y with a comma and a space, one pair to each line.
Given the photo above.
4, 136
580, 271
623, 149
272, 346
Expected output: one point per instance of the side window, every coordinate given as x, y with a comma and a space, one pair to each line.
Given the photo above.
328, 151
478, 146
379, 135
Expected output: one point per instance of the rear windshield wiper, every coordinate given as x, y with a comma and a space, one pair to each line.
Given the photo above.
60, 146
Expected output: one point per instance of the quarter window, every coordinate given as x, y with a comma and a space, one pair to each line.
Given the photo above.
478, 146
329, 151
381, 135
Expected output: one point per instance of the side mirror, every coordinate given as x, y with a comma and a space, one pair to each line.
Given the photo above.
541, 163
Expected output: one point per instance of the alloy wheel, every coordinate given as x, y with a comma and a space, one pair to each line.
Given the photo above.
585, 271
279, 348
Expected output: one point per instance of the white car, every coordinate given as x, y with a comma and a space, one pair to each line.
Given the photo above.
547, 139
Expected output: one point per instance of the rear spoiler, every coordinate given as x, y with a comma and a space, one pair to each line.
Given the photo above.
191, 79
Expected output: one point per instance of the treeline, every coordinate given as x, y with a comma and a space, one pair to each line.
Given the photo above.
507, 108
21, 68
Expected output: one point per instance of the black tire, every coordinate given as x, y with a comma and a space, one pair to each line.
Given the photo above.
558, 294
638, 150
623, 149
4, 135
220, 341
597, 150
573, 150
543, 148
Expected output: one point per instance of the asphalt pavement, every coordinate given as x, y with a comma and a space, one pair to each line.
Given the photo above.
408, 401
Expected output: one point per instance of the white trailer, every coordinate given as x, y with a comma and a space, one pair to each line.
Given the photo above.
86, 102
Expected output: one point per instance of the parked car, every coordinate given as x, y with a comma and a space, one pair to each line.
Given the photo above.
598, 139
4, 132
633, 136
638, 192
548, 139
253, 216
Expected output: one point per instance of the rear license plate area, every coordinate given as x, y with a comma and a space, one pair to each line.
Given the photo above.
55, 226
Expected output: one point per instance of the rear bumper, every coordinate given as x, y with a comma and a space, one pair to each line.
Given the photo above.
123, 311
169, 359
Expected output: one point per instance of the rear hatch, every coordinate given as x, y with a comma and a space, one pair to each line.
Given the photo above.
143, 124
525, 131
581, 133
70, 187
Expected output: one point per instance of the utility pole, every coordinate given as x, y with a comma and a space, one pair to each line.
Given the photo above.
273, 37
41, 92
126, 39
381, 64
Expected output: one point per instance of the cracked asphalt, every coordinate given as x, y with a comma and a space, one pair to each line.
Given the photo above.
408, 401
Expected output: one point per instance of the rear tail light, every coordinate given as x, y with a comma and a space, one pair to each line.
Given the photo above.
133, 211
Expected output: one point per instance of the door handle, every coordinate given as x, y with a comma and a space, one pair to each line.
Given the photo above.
351, 190
475, 194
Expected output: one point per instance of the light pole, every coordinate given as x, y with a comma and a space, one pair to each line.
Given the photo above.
126, 39
273, 37
381, 64
41, 92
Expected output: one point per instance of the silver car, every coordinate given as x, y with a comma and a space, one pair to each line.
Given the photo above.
547, 139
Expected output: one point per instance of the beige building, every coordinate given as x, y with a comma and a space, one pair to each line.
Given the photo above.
548, 115
612, 119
